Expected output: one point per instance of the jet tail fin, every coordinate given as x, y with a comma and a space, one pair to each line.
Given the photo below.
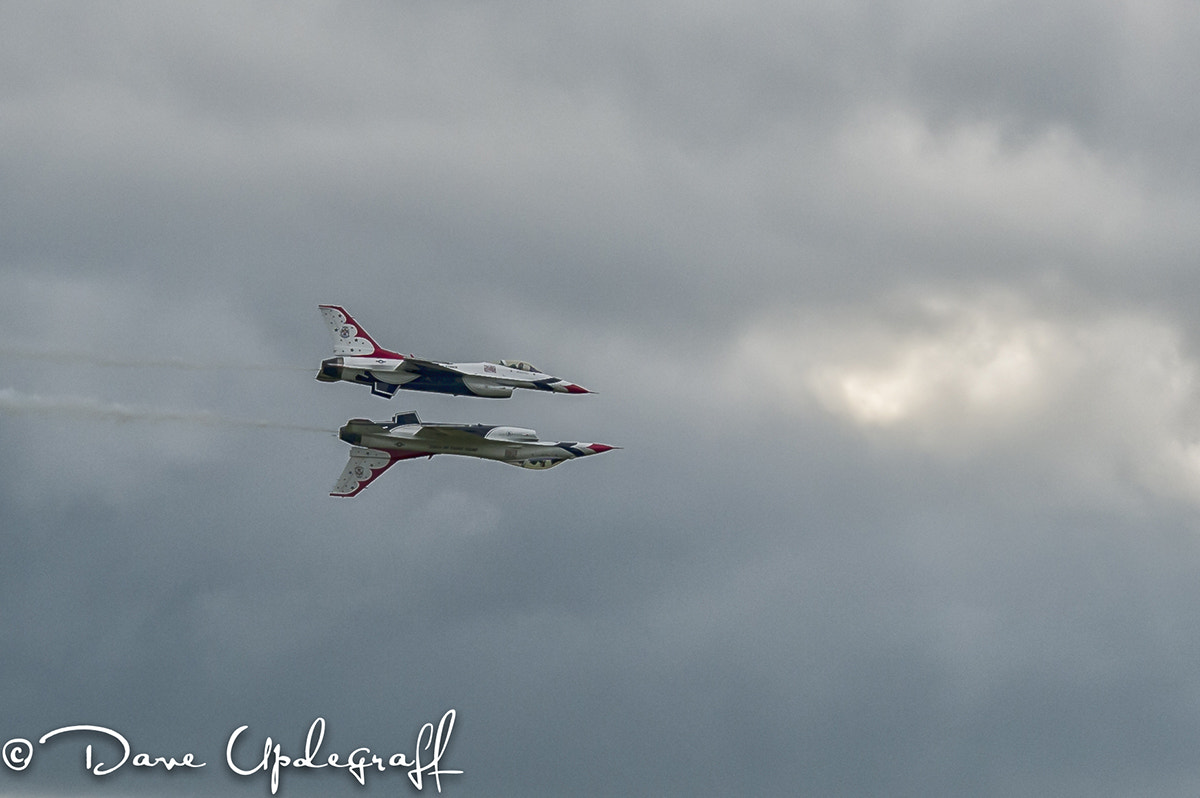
365, 466
361, 470
349, 338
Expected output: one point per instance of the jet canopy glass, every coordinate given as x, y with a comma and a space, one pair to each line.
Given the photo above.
520, 365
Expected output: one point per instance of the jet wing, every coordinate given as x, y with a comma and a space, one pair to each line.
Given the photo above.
417, 365
483, 379
466, 434
493, 372
363, 468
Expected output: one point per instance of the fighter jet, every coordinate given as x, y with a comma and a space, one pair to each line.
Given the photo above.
377, 445
359, 359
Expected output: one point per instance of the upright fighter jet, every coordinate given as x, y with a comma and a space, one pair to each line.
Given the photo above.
377, 445
357, 358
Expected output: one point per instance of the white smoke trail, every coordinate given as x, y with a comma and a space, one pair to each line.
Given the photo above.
15, 402
63, 357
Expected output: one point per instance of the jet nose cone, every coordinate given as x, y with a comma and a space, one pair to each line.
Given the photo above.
573, 388
600, 448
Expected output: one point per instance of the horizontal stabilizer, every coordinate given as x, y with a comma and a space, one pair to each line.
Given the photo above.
385, 389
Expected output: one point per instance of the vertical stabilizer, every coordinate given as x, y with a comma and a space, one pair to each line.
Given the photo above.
349, 338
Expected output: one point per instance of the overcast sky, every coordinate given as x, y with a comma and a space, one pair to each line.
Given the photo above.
891, 306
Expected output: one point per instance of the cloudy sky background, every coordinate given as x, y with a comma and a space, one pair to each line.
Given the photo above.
891, 306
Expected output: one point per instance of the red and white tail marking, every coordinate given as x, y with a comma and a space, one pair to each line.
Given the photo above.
349, 338
364, 467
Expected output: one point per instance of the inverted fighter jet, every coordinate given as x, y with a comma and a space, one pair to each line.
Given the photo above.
357, 358
377, 445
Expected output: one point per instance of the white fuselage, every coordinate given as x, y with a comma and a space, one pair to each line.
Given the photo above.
507, 444
377, 445
491, 380
357, 358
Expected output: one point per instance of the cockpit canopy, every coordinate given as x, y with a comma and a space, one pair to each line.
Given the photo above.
520, 365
